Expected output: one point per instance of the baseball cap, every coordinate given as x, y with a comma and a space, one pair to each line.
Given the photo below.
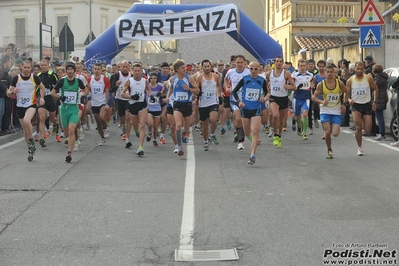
369, 58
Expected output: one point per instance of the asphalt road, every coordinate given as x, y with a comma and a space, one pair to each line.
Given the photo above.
111, 207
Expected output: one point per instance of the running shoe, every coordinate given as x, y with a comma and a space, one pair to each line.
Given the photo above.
279, 142
275, 141
123, 137
162, 140
293, 127
102, 141
66, 140
155, 143
305, 136
77, 145
299, 131
222, 131
58, 138
37, 137
310, 131
185, 137
329, 154
81, 133
271, 133
252, 159
228, 124
68, 157
138, 133
46, 135
140, 151
180, 151
30, 156
176, 150
128, 144
259, 141
250, 138
267, 129
316, 123
148, 137
42, 143
235, 137
196, 128
214, 140
205, 147
324, 136
106, 133
360, 151
380, 137
395, 144
240, 146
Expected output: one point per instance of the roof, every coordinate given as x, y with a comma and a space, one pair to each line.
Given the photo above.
320, 41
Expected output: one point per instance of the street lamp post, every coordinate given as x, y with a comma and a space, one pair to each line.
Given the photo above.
90, 34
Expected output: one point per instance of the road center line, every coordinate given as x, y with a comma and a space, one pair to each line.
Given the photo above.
187, 225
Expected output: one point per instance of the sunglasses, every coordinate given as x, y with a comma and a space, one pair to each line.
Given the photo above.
253, 68
220, 65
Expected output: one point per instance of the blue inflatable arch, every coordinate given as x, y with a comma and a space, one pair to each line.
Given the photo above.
249, 35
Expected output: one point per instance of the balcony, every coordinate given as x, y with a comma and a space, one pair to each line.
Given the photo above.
20, 41
321, 12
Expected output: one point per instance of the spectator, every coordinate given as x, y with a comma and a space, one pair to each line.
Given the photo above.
369, 60
12, 104
18, 63
381, 79
352, 69
5, 65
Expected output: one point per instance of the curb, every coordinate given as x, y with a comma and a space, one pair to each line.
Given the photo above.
10, 137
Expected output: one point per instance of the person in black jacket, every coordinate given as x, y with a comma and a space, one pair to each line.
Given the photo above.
395, 85
381, 79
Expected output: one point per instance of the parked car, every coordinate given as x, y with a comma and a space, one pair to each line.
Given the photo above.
390, 114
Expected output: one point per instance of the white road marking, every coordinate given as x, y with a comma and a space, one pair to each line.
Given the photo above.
187, 224
11, 143
381, 142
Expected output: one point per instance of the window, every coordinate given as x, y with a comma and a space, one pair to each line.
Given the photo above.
61, 20
20, 34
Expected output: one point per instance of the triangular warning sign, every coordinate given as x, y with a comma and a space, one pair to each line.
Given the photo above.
370, 39
370, 15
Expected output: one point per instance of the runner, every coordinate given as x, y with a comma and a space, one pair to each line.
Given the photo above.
182, 87
235, 75
49, 79
301, 102
68, 89
154, 109
135, 89
122, 104
209, 100
253, 92
330, 90
99, 86
163, 76
360, 87
24, 86
278, 103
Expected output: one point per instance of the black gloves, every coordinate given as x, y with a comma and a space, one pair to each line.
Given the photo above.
135, 97
299, 86
83, 99
220, 100
159, 94
62, 98
152, 99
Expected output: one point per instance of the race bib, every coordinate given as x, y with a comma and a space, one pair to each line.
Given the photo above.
252, 95
181, 96
24, 101
306, 86
332, 99
70, 97
96, 90
359, 91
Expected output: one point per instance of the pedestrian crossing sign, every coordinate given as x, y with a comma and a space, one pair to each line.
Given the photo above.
370, 15
370, 36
